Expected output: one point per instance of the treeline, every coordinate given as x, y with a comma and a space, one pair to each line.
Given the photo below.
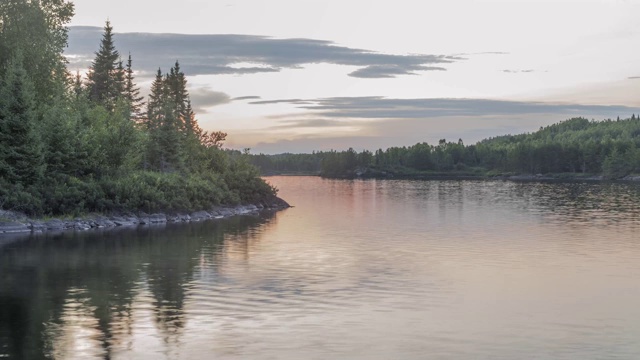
577, 146
71, 145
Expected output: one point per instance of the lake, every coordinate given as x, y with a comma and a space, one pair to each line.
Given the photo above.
362, 269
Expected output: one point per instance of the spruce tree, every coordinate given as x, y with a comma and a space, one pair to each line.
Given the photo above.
132, 93
105, 81
155, 103
165, 146
169, 141
120, 81
78, 90
179, 95
21, 160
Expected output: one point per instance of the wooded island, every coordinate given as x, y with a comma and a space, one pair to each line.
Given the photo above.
71, 144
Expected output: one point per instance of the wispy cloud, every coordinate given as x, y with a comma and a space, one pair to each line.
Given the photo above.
203, 98
226, 53
312, 123
379, 122
243, 98
376, 107
634, 77
518, 71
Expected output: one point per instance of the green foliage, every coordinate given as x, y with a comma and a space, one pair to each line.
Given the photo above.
106, 78
16, 197
576, 146
21, 158
37, 30
617, 165
152, 191
132, 93
91, 149
62, 194
244, 182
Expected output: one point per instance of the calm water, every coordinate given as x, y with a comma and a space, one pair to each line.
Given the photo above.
357, 270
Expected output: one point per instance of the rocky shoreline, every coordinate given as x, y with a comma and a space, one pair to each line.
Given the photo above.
16, 223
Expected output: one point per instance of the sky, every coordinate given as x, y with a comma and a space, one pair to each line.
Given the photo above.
298, 76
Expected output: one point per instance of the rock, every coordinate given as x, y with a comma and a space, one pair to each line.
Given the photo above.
275, 203
37, 226
631, 178
122, 222
200, 215
11, 227
18, 223
240, 210
157, 218
103, 222
224, 212
132, 219
55, 224
82, 225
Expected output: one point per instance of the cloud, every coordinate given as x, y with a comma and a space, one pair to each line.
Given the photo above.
283, 101
390, 71
203, 98
376, 107
634, 77
241, 98
312, 123
379, 122
225, 53
518, 71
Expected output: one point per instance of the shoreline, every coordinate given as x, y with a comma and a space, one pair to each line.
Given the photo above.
522, 177
14, 223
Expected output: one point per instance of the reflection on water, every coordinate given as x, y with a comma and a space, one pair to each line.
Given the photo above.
358, 269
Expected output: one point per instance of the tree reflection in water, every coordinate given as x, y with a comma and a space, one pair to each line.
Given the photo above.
63, 294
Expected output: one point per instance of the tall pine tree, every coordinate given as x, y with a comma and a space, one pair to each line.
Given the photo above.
21, 159
105, 79
132, 93
165, 146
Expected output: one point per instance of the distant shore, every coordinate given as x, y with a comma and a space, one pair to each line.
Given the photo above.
12, 222
468, 176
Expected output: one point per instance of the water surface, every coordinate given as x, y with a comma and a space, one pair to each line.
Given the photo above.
356, 270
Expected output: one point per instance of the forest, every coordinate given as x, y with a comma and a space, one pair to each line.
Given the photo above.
573, 148
73, 144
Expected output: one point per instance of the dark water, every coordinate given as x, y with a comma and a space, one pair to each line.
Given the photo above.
357, 270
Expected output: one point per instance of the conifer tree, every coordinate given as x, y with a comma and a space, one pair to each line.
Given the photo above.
154, 105
169, 141
190, 124
179, 95
132, 93
165, 146
120, 81
105, 81
77, 85
21, 160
